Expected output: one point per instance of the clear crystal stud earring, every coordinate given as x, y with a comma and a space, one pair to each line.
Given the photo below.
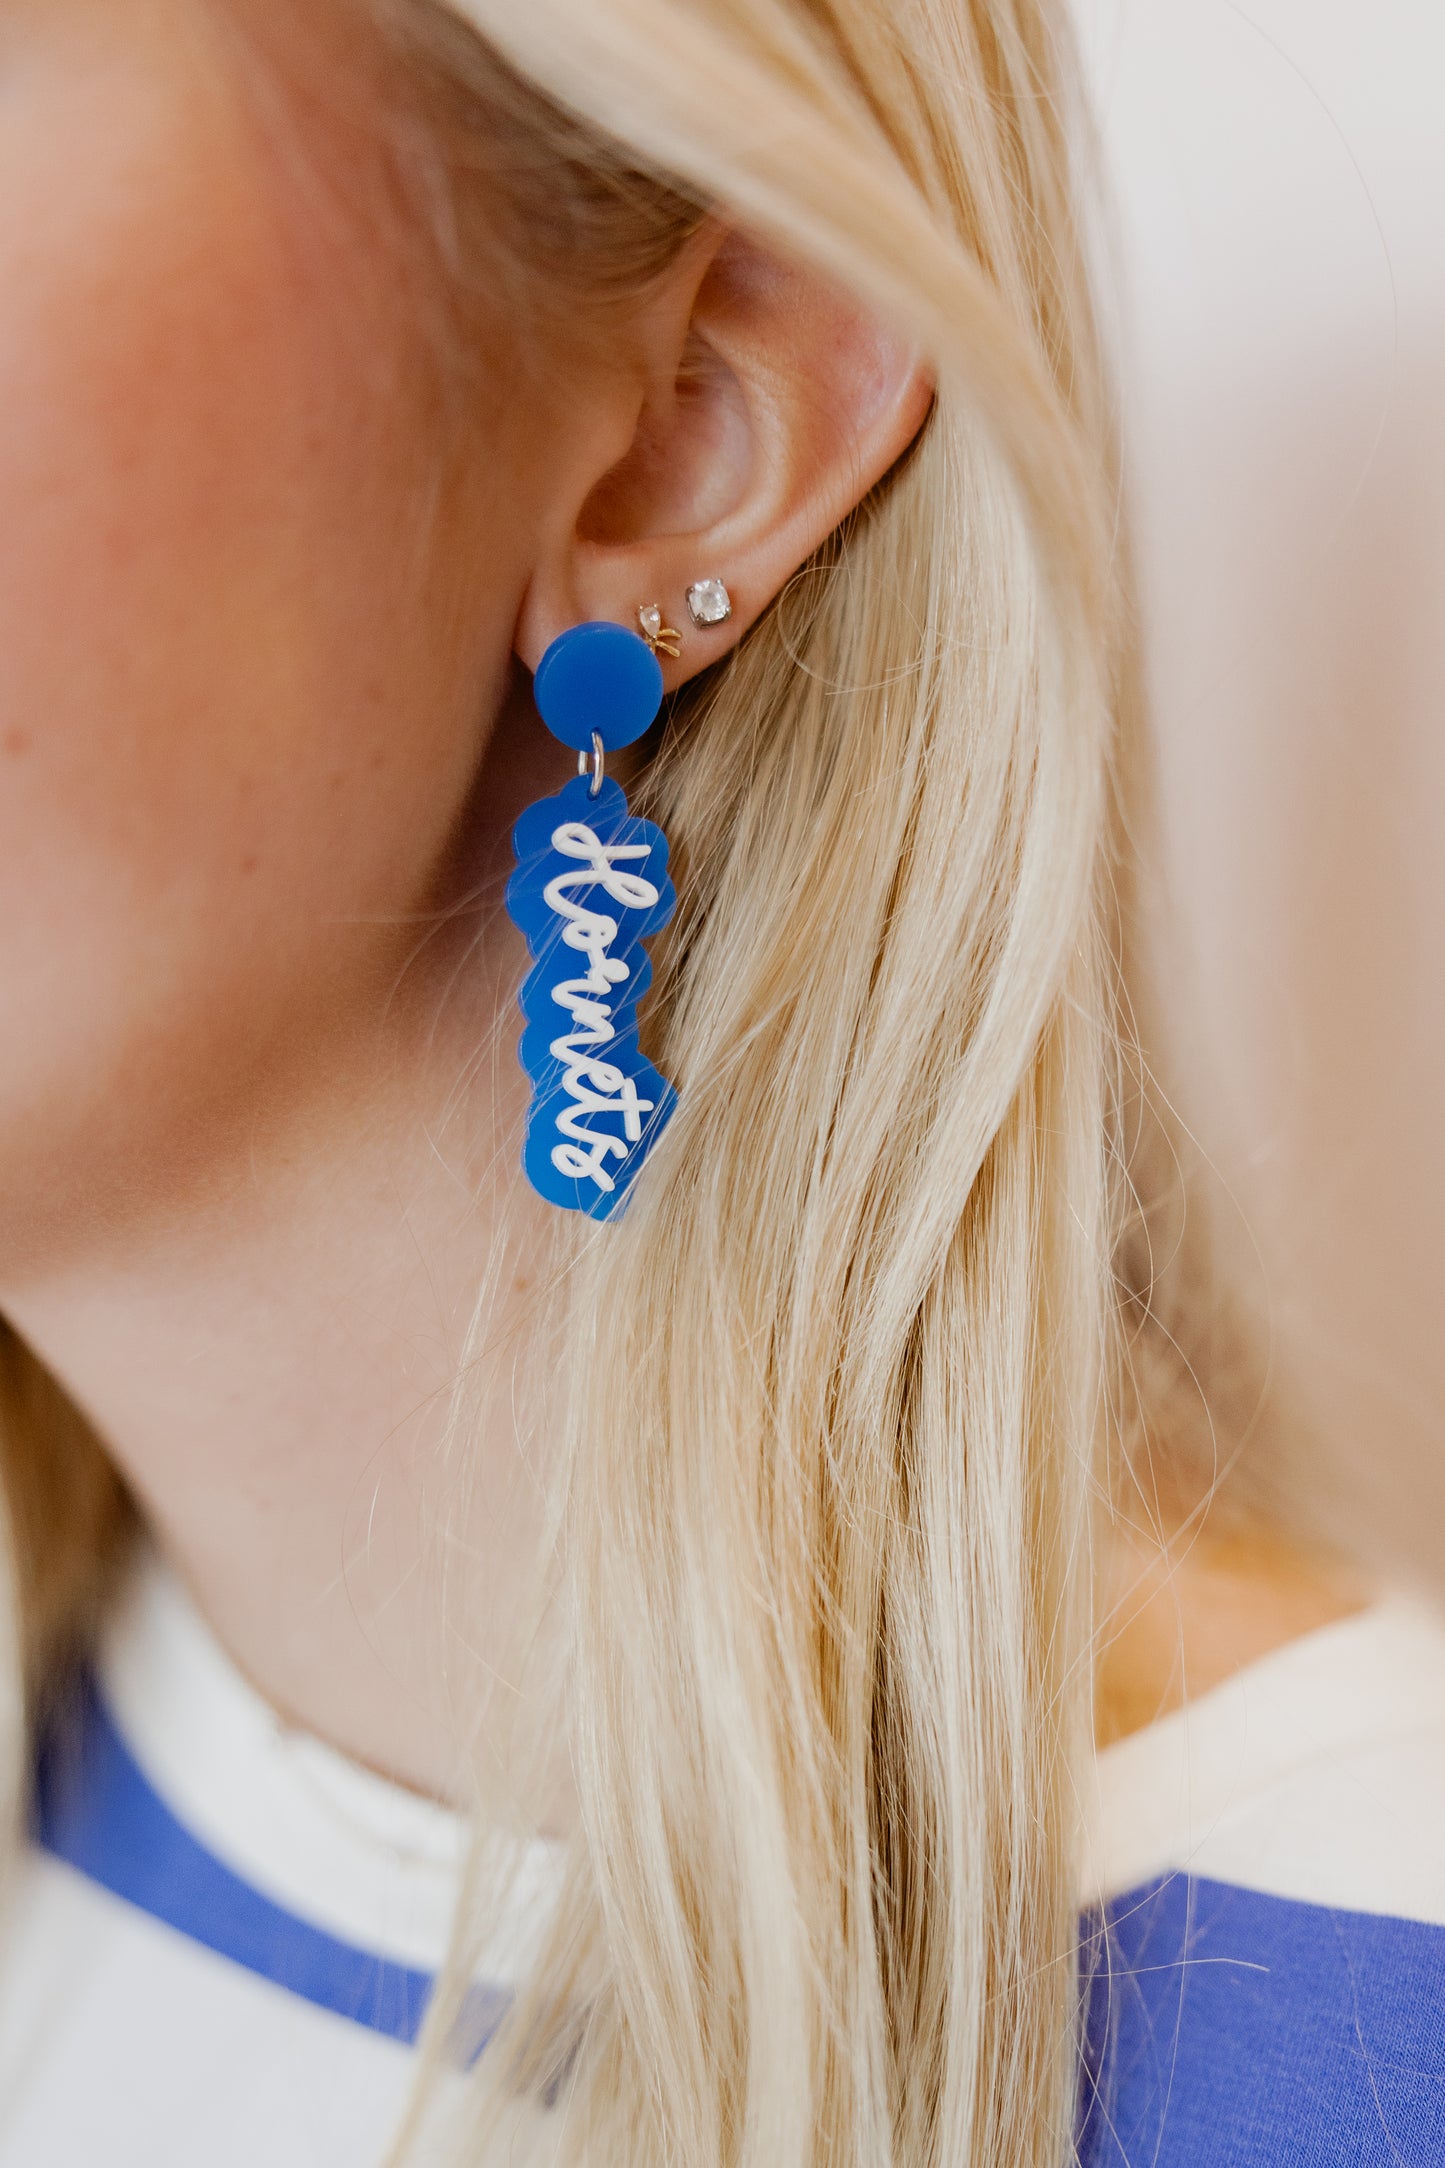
661, 638
709, 603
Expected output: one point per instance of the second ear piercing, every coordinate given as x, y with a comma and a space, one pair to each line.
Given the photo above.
709, 603
663, 639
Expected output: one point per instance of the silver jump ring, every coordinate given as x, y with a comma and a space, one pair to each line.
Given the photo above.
593, 760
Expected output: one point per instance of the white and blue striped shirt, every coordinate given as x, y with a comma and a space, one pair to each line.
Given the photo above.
224, 1936
221, 1945
1267, 1934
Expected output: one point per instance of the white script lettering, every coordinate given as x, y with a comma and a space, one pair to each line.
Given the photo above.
592, 1085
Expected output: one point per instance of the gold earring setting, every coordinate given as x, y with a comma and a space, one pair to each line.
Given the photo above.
662, 638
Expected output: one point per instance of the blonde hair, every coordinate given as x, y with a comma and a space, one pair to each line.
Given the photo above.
825, 1506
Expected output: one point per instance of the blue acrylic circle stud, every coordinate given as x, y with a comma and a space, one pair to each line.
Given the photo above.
598, 677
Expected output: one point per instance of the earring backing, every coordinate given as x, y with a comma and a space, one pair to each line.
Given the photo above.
662, 639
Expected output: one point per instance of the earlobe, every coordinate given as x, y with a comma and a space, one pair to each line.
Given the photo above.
771, 403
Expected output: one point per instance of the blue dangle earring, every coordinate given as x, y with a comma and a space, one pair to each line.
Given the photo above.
591, 885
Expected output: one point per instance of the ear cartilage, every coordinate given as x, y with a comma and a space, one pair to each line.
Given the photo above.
709, 603
590, 885
663, 639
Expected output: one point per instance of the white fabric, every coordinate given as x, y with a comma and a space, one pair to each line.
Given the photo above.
371, 1863
1317, 1773
124, 2045
127, 2044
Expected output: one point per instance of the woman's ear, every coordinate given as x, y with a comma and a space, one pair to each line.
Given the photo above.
758, 404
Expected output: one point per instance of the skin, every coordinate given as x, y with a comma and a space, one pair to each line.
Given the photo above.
1181, 1617
266, 603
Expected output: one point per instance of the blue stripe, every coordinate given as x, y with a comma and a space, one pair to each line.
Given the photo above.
1231, 2029
95, 1809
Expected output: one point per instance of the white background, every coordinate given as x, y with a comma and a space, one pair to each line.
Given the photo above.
1278, 176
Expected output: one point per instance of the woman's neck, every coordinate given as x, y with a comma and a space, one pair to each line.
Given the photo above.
1180, 1618
271, 1365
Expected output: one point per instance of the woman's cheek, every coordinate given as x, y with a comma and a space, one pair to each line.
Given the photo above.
227, 765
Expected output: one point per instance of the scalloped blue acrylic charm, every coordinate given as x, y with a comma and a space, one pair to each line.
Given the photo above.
590, 886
